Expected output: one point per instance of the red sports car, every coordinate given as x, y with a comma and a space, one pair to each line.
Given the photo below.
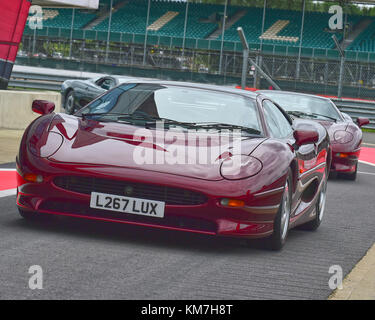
345, 135
175, 156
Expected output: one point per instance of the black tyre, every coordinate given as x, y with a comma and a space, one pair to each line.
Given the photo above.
34, 216
281, 224
28, 215
69, 106
319, 208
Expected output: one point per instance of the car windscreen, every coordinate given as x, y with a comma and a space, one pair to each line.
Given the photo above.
177, 103
305, 105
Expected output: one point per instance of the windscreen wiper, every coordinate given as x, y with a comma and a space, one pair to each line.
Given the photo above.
312, 115
220, 126
299, 114
86, 115
166, 121
323, 115
120, 116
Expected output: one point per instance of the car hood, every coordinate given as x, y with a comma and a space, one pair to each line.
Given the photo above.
332, 127
326, 124
91, 142
348, 126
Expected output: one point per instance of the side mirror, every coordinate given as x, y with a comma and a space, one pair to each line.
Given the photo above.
305, 137
43, 107
362, 122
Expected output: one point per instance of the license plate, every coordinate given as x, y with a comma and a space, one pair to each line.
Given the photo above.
121, 204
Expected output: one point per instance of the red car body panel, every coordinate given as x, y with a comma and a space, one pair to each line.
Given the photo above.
344, 155
96, 150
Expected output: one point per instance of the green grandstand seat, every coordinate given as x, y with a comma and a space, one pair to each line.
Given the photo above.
203, 20
365, 41
132, 18
313, 37
62, 18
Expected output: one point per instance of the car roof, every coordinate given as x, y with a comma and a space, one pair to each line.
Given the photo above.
264, 92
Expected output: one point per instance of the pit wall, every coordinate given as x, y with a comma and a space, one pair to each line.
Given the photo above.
15, 107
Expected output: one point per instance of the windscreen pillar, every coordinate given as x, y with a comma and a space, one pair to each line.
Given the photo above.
13, 16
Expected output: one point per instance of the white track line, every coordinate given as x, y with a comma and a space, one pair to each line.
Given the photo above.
368, 144
367, 173
2, 169
368, 163
7, 193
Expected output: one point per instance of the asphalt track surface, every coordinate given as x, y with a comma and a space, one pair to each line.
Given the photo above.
96, 260
93, 260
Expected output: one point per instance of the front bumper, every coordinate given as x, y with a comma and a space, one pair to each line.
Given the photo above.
344, 162
254, 220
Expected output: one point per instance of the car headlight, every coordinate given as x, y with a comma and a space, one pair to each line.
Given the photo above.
240, 167
45, 148
342, 136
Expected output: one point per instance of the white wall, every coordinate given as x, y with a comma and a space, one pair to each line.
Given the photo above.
88, 4
15, 107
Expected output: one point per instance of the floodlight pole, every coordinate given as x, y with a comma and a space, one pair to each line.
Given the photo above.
71, 33
147, 21
222, 37
263, 23
245, 51
246, 59
260, 57
300, 40
342, 65
109, 31
34, 41
185, 26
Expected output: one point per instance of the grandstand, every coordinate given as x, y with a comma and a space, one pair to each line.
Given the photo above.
282, 27
62, 18
131, 18
157, 41
316, 26
365, 41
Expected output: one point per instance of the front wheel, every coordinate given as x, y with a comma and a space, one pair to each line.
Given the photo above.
319, 208
69, 103
281, 224
34, 216
27, 215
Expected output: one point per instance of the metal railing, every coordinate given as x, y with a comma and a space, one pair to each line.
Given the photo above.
43, 81
197, 44
39, 80
358, 108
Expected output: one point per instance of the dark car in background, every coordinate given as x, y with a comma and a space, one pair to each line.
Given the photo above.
345, 135
77, 93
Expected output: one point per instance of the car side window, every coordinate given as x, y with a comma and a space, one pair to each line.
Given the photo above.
106, 83
277, 124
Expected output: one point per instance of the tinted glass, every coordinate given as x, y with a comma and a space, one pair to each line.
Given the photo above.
277, 123
313, 106
178, 103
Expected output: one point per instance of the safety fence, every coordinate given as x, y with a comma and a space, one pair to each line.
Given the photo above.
41, 80
67, 35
